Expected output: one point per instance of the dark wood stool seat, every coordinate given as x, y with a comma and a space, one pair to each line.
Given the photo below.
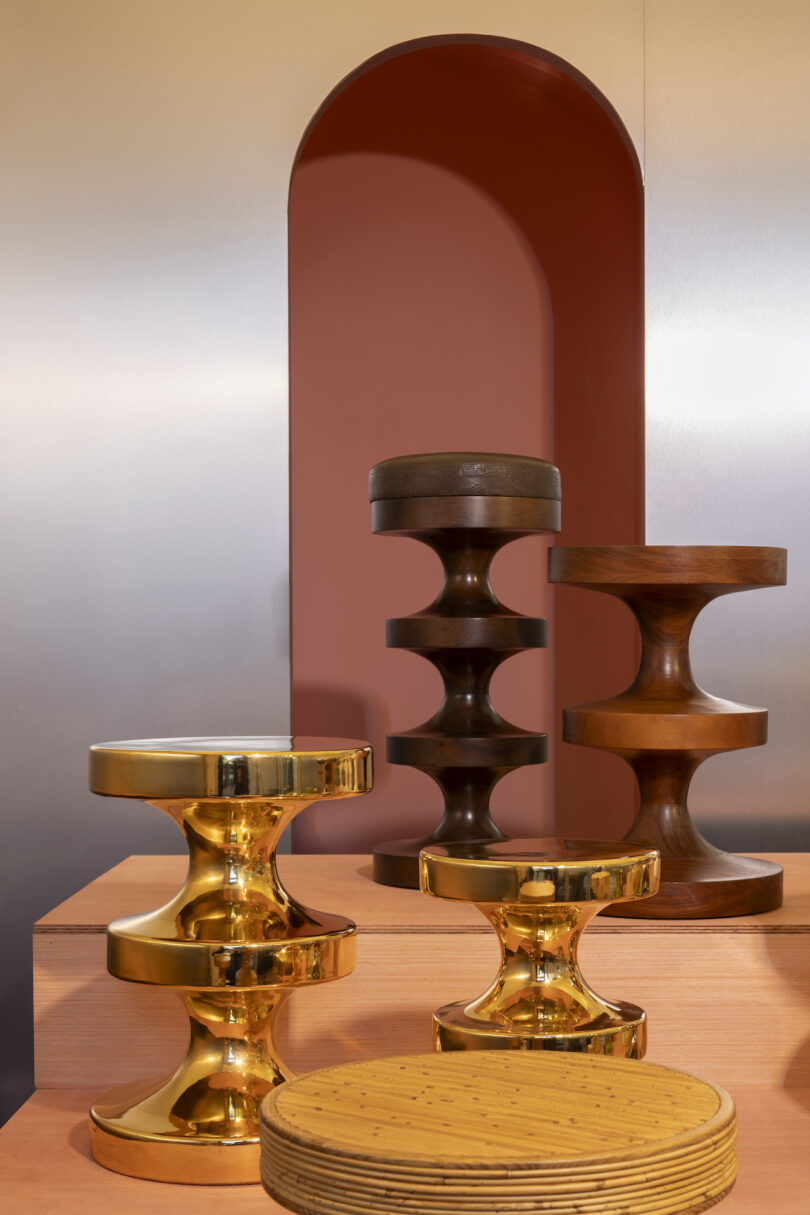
463, 474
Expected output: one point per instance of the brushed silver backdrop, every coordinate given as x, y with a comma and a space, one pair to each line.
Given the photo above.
728, 370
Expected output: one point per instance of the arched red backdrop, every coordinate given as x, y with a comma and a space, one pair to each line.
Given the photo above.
466, 273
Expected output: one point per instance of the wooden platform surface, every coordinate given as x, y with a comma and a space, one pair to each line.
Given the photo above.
343, 884
728, 999
46, 1167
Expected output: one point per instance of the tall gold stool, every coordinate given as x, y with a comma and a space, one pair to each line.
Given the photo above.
539, 895
232, 942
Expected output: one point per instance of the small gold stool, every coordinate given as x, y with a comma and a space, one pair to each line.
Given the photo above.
539, 895
232, 942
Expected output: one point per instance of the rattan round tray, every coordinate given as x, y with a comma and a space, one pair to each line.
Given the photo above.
485, 1131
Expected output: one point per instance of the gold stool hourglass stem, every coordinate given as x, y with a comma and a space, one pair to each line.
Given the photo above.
539, 895
213, 1097
540, 998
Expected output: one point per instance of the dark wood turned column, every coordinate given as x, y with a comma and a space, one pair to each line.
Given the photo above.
665, 725
466, 506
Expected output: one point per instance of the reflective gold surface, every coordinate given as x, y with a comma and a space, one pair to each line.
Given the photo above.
539, 895
282, 766
211, 1101
233, 942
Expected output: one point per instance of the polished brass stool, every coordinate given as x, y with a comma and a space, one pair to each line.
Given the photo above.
539, 895
233, 943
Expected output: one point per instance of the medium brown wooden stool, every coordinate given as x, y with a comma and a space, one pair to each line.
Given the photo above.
665, 725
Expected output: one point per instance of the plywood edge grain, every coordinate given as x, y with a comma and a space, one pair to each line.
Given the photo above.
774, 1125
342, 883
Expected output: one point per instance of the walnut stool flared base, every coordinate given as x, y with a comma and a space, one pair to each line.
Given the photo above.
704, 888
396, 862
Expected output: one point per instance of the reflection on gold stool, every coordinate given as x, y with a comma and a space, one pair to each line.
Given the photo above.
539, 895
232, 942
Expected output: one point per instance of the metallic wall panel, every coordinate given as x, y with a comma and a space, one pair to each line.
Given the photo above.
145, 153
728, 369
144, 438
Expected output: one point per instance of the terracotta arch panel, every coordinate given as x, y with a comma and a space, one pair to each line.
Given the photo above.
466, 243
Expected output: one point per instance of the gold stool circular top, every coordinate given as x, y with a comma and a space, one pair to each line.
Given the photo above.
266, 767
477, 1131
539, 871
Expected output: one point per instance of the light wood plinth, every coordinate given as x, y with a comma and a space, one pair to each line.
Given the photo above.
46, 1167
727, 999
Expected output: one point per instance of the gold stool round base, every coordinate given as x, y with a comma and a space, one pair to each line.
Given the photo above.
623, 1037
199, 1125
201, 1160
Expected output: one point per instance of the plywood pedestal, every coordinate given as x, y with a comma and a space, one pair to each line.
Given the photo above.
728, 1000
61, 1176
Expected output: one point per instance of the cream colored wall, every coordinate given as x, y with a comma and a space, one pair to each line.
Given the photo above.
320, 42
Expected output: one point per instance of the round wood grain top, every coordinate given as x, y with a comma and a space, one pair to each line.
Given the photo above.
712, 565
484, 1110
484, 1131
463, 473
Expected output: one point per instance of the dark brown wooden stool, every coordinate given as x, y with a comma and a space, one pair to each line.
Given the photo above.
465, 506
664, 725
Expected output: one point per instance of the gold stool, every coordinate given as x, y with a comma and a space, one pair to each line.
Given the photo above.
539, 895
233, 943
